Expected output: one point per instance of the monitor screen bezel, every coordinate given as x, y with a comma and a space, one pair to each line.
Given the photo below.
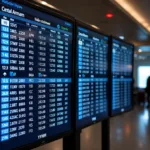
63, 16
111, 114
88, 27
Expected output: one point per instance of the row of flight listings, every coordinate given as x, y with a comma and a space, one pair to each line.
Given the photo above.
36, 69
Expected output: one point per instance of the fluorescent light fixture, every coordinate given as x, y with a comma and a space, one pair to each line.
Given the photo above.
133, 12
94, 26
44, 3
149, 28
52, 6
47, 4
146, 24
122, 37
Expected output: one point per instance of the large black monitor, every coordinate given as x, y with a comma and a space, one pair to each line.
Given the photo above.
91, 76
35, 74
121, 76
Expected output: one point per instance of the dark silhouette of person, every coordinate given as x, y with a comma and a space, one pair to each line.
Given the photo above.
147, 90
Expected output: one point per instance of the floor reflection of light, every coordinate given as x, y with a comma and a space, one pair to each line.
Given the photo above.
143, 123
57, 147
141, 145
145, 117
87, 136
127, 129
119, 134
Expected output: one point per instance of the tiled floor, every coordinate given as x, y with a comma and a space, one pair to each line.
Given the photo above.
130, 131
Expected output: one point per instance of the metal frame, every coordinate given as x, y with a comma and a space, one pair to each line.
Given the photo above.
72, 142
60, 15
106, 134
110, 74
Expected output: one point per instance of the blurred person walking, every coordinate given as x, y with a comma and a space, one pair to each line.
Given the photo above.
147, 90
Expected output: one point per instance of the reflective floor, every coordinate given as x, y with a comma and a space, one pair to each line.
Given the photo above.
130, 131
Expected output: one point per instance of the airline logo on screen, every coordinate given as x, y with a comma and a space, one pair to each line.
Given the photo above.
12, 4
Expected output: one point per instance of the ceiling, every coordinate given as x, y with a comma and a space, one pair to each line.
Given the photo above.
142, 6
94, 11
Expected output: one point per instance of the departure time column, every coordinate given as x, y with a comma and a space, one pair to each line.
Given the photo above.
42, 95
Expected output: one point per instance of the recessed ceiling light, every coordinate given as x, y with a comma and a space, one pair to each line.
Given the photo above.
94, 26
44, 3
122, 37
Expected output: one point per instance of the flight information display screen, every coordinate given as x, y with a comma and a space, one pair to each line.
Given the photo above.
122, 76
92, 77
35, 75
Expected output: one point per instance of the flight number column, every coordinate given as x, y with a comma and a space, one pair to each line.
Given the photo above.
4, 120
18, 84
4, 103
13, 60
84, 82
